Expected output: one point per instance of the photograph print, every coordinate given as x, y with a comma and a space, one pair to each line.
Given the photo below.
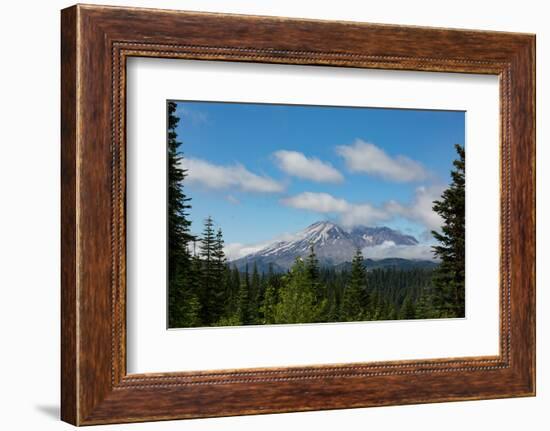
293, 214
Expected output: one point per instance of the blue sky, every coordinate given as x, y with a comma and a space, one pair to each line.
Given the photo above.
262, 170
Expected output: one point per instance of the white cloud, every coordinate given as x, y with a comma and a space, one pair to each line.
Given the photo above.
237, 250
310, 168
365, 157
364, 214
390, 249
224, 177
419, 210
350, 214
318, 202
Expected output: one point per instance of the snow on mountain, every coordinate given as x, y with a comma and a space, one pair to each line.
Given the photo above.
333, 245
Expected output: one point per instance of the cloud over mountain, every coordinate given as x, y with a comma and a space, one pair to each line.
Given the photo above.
318, 202
419, 210
389, 249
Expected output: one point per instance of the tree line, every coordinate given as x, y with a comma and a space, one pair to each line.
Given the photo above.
204, 290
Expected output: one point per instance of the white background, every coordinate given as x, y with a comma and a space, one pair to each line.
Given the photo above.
29, 216
151, 348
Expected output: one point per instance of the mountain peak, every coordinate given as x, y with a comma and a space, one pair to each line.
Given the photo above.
322, 230
333, 245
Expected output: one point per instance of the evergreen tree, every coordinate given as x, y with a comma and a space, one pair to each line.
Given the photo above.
219, 256
187, 310
253, 296
333, 308
244, 307
407, 309
296, 299
352, 308
229, 320
179, 226
449, 276
180, 313
185, 313
312, 265
385, 309
372, 309
232, 304
269, 304
218, 287
318, 288
208, 286
424, 308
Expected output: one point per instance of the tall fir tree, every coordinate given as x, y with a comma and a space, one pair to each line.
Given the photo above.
218, 288
297, 300
269, 304
352, 307
219, 255
312, 265
244, 306
191, 305
182, 301
232, 301
208, 285
449, 276
318, 288
333, 308
373, 310
424, 308
407, 310
254, 296
386, 310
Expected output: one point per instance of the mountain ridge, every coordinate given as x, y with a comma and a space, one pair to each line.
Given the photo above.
333, 245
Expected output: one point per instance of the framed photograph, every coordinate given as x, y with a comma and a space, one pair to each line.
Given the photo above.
267, 215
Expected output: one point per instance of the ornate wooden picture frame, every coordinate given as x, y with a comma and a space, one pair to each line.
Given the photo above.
96, 41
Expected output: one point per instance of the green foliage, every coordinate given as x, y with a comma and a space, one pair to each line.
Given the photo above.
186, 312
319, 289
207, 292
232, 287
269, 305
254, 296
424, 306
355, 291
230, 320
183, 304
178, 203
219, 269
312, 267
296, 298
408, 310
243, 309
448, 281
292, 298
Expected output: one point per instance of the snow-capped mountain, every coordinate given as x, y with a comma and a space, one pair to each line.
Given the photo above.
333, 245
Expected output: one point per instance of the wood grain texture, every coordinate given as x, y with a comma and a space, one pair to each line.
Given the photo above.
69, 366
96, 41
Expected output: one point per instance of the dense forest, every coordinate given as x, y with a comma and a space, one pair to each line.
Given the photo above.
204, 290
